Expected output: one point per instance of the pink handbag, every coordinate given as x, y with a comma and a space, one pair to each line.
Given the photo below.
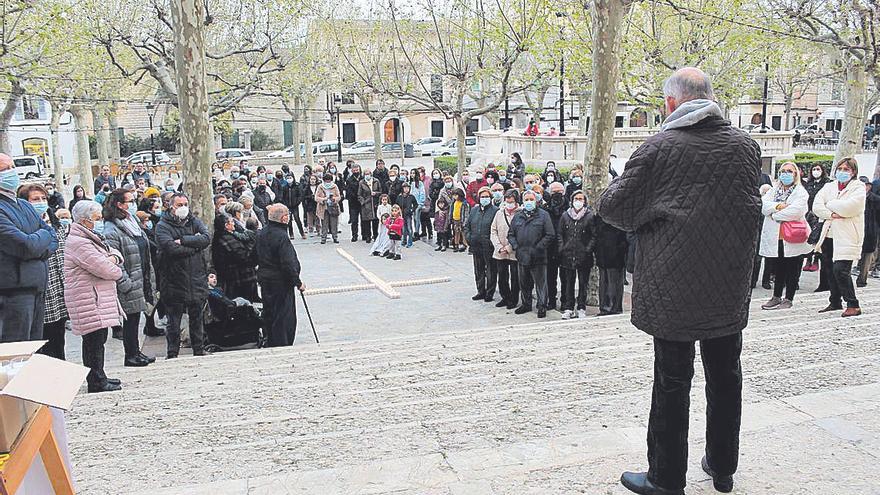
795, 232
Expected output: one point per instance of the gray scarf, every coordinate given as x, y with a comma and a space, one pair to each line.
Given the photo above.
691, 112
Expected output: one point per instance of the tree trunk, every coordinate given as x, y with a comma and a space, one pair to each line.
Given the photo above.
115, 148
307, 132
853, 119
55, 156
583, 104
196, 135
296, 130
102, 137
7, 114
461, 135
788, 103
377, 138
83, 157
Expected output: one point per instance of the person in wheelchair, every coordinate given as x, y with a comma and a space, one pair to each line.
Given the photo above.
231, 323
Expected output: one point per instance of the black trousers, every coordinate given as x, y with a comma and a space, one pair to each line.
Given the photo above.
427, 228
611, 290
294, 217
670, 404
195, 311
508, 280
54, 333
370, 226
354, 218
568, 276
552, 276
130, 341
279, 314
485, 273
787, 271
533, 277
93, 356
839, 278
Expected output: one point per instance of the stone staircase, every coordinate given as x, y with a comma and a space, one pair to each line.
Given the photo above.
547, 408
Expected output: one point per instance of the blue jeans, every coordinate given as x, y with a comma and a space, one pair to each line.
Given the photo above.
21, 316
417, 222
406, 239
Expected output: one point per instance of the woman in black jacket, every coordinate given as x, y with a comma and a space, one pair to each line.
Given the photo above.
576, 243
294, 197
232, 249
610, 252
818, 179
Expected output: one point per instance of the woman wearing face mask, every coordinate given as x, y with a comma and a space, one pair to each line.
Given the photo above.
123, 233
497, 194
91, 270
516, 168
369, 192
575, 184
328, 207
79, 194
551, 174
421, 221
784, 207
55, 315
576, 243
478, 232
310, 207
816, 181
434, 189
841, 204
148, 217
394, 186
504, 255
531, 232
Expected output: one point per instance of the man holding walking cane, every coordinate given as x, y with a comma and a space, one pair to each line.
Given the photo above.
278, 274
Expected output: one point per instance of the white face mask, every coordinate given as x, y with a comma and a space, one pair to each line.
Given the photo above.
817, 174
578, 204
182, 212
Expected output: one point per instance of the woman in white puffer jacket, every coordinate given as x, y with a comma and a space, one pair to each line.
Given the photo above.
786, 202
841, 204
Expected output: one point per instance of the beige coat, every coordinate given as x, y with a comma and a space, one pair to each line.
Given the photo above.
498, 234
321, 198
848, 232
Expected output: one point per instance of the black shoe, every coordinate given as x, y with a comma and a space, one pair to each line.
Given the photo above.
511, 306
542, 313
154, 332
551, 305
723, 484
388, 255
821, 289
478, 297
198, 352
501, 304
368, 240
638, 483
375, 253
171, 355
335, 241
148, 359
767, 286
323, 241
114, 381
354, 239
397, 257
135, 361
439, 248
104, 386
831, 307
117, 334
523, 310
861, 284
489, 299
444, 249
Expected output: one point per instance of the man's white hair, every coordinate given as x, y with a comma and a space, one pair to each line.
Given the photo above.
277, 212
689, 83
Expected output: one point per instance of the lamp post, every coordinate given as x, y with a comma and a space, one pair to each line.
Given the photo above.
334, 105
150, 108
560, 15
764, 102
507, 113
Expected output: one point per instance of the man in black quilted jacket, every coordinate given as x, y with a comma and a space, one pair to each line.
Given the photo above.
689, 195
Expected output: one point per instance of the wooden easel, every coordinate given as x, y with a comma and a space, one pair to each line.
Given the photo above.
37, 437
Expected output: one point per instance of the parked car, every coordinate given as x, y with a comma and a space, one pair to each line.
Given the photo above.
318, 148
358, 147
28, 166
451, 147
233, 154
162, 158
427, 145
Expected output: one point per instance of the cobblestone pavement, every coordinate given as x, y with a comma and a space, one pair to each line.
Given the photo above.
445, 396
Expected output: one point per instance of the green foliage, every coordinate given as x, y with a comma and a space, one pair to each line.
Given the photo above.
261, 141
129, 144
806, 160
448, 164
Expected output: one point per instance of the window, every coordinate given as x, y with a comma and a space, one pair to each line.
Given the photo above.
31, 108
776, 122
505, 123
437, 128
836, 90
473, 126
618, 121
348, 132
288, 132
347, 98
437, 87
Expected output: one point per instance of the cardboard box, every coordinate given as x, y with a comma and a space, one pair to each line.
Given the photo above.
39, 380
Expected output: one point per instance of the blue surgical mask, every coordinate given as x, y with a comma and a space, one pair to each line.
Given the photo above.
98, 228
577, 180
842, 177
529, 205
132, 209
169, 188
149, 225
497, 195
64, 221
538, 197
9, 180
485, 201
41, 208
448, 185
787, 178
368, 178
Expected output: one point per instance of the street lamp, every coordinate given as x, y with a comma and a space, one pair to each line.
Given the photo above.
335, 105
560, 15
150, 108
764, 102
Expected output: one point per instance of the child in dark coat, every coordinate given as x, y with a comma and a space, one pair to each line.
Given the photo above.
441, 225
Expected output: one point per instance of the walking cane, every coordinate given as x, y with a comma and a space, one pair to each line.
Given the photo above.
309, 314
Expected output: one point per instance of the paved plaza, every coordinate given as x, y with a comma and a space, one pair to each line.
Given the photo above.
434, 393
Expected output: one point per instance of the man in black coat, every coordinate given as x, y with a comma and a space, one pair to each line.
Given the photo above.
477, 231
278, 274
182, 240
689, 195
555, 205
352, 185
531, 232
381, 174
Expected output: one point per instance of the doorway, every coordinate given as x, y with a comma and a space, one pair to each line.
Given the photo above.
392, 131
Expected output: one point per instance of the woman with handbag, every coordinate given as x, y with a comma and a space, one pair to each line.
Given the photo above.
784, 234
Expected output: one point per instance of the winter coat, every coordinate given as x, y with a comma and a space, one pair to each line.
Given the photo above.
690, 195
813, 187
26, 242
233, 255
56, 200
184, 269
323, 195
478, 229
408, 205
576, 240
294, 196
498, 234
393, 189
280, 188
610, 247
872, 216
308, 200
848, 232
368, 195
465, 212
441, 221
382, 177
471, 191
771, 230
555, 206
262, 198
419, 194
530, 234
434, 193
55, 308
395, 225
276, 258
130, 287
353, 190
90, 276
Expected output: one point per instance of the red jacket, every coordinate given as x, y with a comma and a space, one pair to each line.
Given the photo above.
531, 130
395, 225
473, 188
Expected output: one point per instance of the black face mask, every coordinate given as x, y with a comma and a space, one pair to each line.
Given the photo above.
261, 188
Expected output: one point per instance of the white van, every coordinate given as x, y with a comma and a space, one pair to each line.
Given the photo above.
28, 166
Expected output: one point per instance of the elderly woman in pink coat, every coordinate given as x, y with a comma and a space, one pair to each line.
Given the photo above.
91, 270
